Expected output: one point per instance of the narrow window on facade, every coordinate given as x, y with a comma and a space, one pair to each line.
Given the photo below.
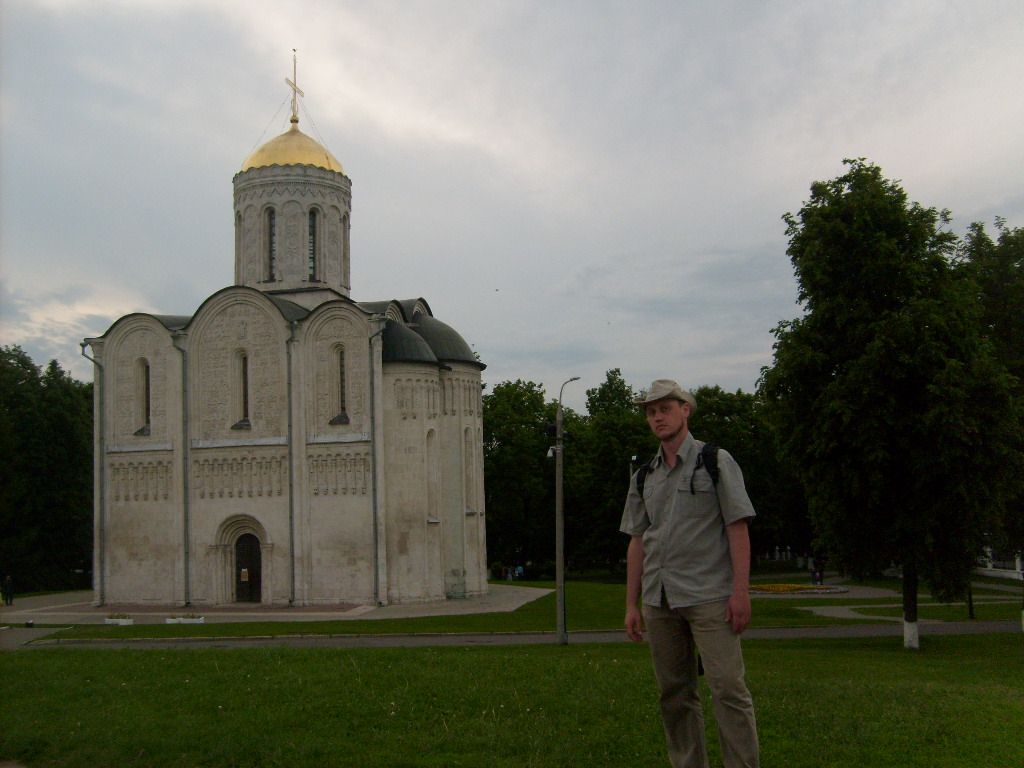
271, 245
345, 277
433, 481
469, 476
242, 392
245, 386
312, 245
339, 387
345, 235
239, 235
143, 398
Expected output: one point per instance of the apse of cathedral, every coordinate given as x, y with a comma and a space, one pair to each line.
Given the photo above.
286, 444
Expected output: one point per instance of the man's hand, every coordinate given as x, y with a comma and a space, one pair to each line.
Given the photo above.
634, 579
634, 624
738, 612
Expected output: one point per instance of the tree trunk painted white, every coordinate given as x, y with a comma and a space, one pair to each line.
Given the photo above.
911, 638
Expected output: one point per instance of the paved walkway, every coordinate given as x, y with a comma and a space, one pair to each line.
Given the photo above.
21, 622
77, 608
16, 630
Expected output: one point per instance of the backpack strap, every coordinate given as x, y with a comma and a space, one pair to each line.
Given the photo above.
708, 459
641, 476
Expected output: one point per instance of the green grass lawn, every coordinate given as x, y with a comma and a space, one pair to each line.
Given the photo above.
867, 703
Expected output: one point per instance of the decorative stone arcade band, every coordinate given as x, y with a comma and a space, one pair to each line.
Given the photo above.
414, 396
140, 480
329, 473
334, 473
240, 477
463, 395
420, 396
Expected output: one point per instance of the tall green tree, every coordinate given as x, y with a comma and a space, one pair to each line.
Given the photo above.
737, 421
997, 269
994, 270
886, 393
601, 456
45, 474
519, 478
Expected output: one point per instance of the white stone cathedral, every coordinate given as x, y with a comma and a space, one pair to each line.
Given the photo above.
285, 444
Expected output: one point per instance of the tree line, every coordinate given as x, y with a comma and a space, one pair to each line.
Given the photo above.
886, 431
45, 475
603, 447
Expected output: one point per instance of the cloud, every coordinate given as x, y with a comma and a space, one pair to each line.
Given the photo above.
51, 325
573, 186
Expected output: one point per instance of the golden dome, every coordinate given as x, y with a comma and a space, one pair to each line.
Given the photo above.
292, 147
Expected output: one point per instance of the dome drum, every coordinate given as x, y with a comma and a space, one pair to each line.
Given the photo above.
292, 228
293, 180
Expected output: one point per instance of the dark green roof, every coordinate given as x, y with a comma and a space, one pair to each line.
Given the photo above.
403, 345
289, 309
446, 344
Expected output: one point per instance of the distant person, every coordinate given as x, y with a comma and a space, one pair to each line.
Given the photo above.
8, 590
688, 562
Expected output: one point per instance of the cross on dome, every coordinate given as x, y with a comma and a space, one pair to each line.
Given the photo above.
296, 92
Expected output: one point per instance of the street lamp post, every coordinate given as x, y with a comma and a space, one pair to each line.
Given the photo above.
563, 637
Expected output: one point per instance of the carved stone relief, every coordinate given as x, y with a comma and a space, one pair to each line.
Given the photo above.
292, 250
240, 327
262, 192
240, 477
143, 480
338, 472
417, 397
462, 396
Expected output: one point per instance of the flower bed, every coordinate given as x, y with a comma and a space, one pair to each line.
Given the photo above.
792, 589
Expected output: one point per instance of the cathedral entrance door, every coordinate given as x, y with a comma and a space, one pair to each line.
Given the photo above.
248, 562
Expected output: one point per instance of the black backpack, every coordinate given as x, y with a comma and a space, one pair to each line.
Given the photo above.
708, 459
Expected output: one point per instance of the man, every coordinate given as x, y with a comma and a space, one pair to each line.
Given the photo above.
688, 562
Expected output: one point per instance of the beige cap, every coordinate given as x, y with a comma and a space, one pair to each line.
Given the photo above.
662, 388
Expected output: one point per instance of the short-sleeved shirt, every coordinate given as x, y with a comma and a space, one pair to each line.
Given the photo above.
686, 549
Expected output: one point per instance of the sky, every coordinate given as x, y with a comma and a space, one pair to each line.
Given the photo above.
573, 185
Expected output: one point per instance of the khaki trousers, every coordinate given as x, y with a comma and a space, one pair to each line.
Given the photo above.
674, 636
